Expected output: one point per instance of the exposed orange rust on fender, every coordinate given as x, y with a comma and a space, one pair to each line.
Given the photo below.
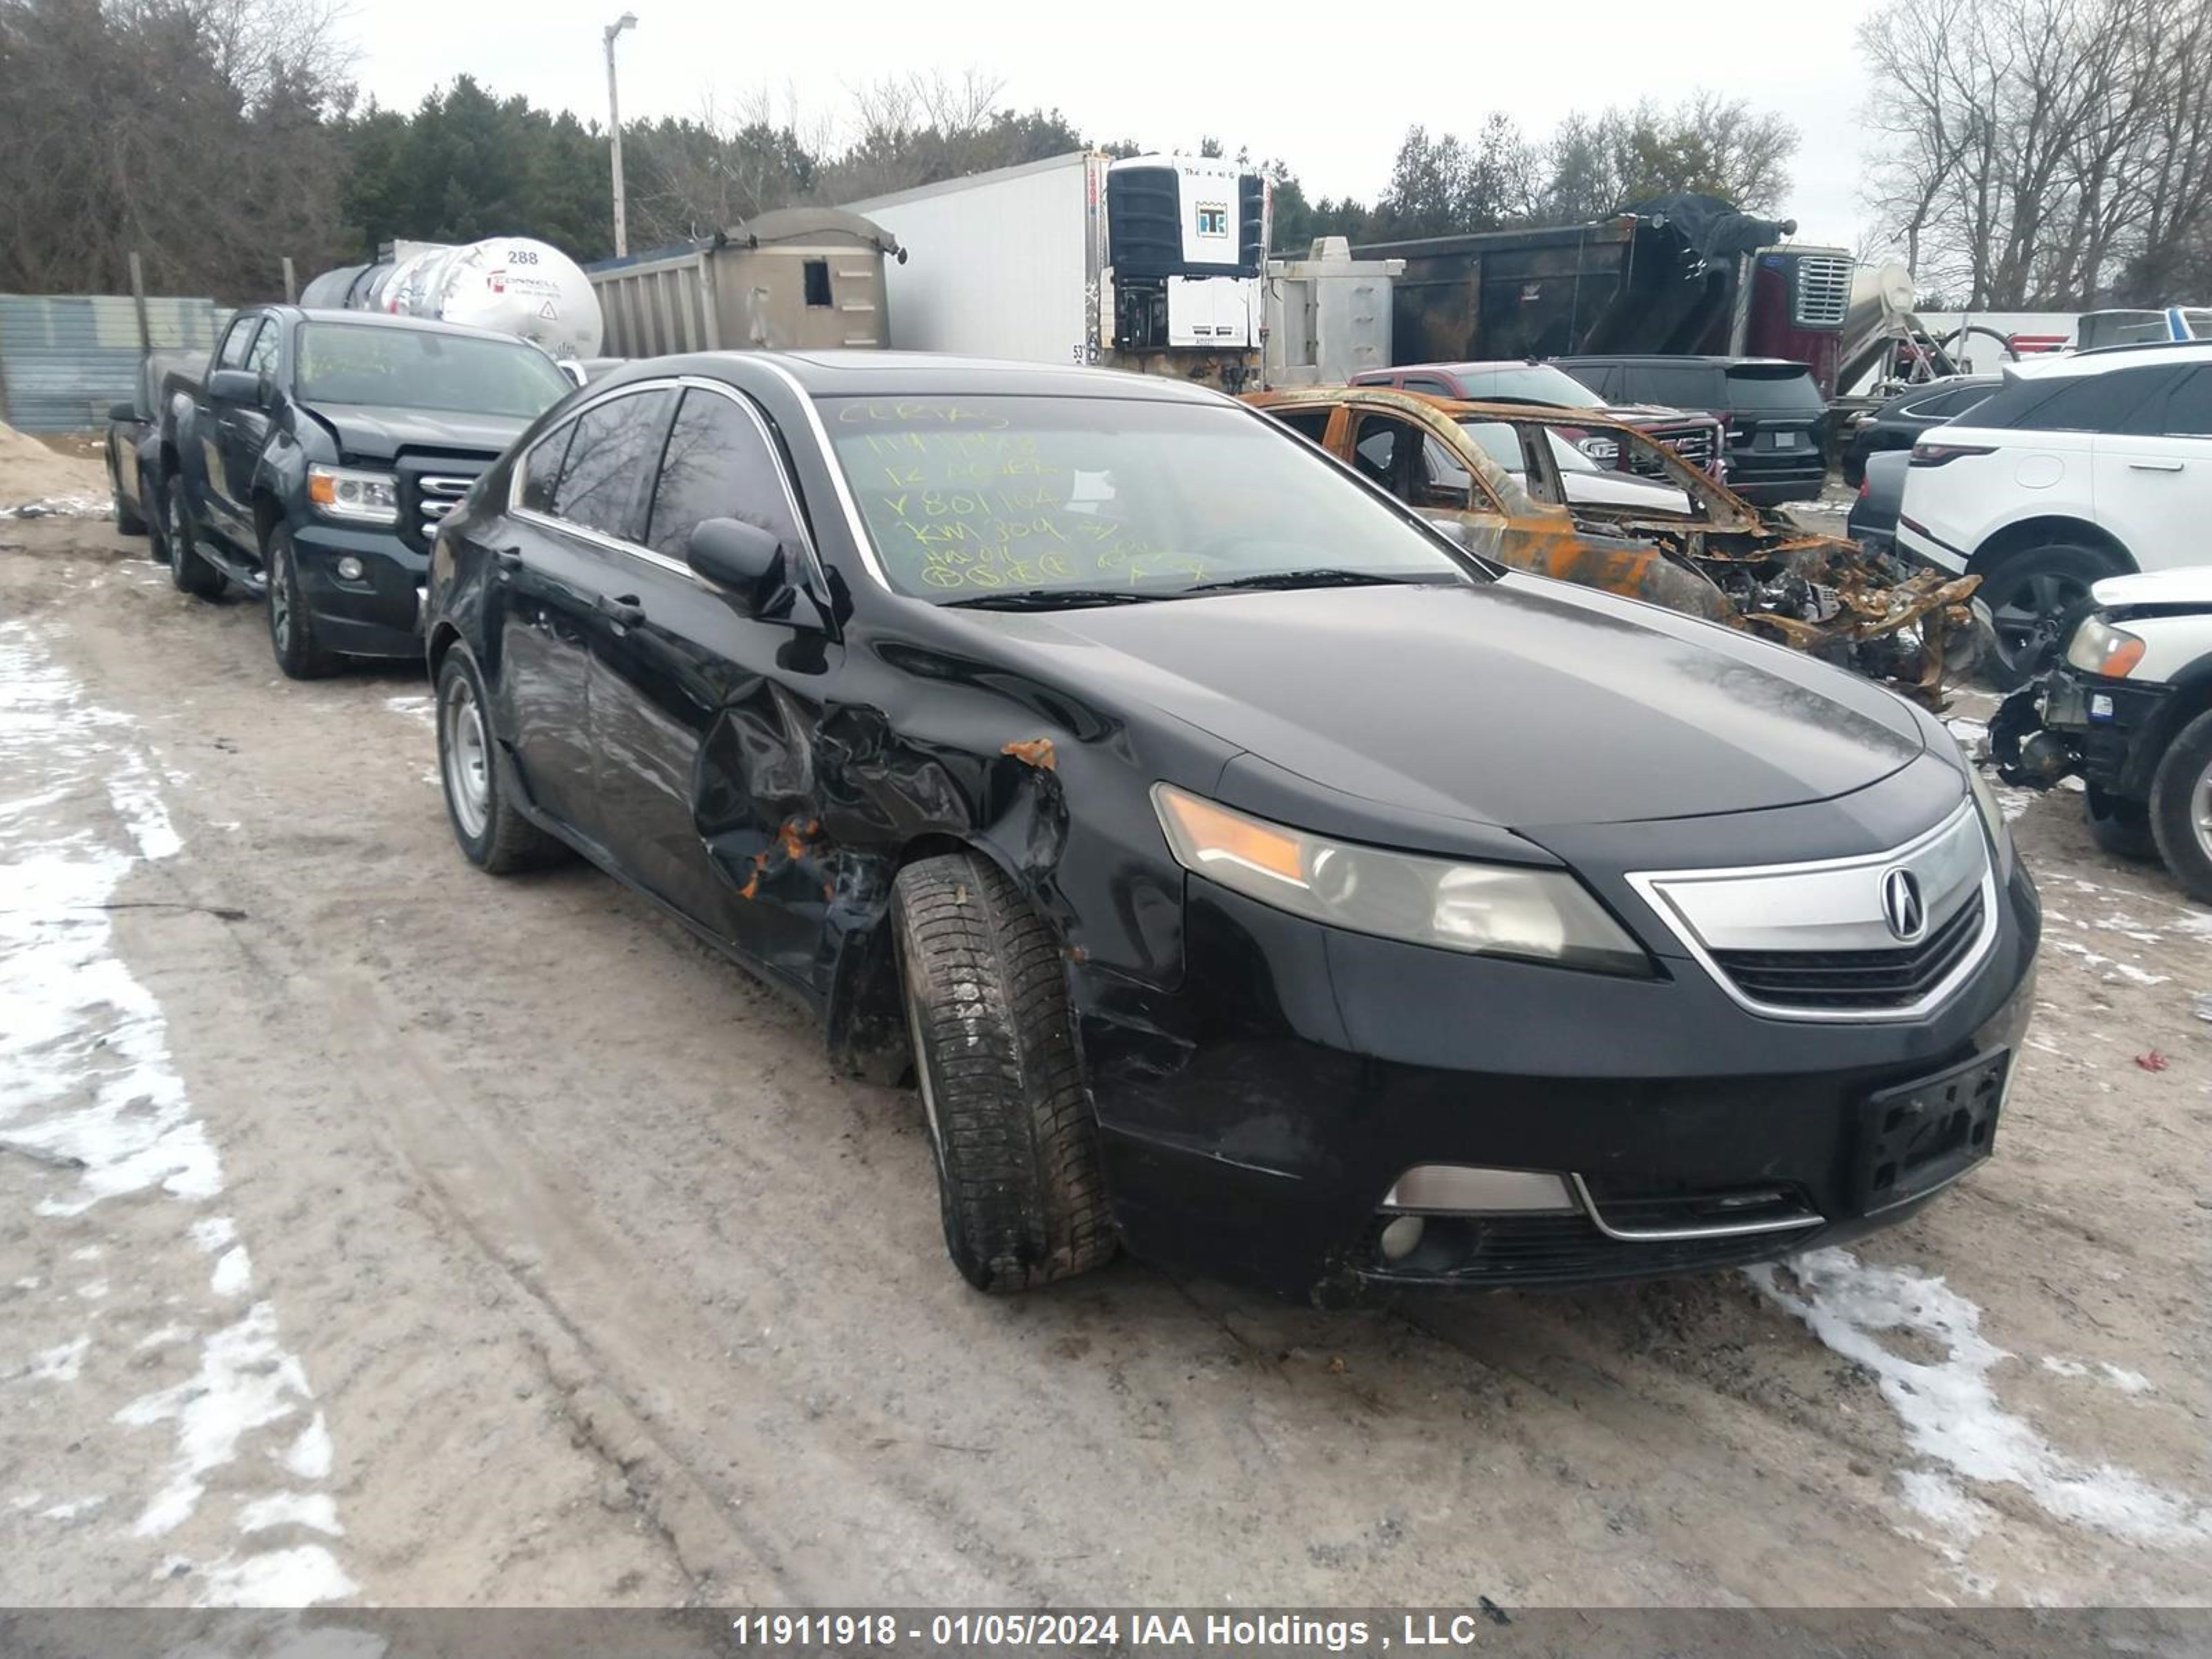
1034, 752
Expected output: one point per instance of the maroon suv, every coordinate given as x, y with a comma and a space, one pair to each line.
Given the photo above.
1696, 438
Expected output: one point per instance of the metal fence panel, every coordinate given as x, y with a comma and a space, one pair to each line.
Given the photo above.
64, 357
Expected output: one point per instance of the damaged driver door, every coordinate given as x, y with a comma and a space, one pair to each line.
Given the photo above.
703, 713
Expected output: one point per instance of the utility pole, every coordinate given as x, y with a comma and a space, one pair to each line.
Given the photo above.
627, 21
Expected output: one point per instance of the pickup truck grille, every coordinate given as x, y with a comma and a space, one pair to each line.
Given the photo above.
1693, 443
430, 487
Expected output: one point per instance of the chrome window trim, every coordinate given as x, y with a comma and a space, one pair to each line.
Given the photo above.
1651, 886
862, 544
518, 477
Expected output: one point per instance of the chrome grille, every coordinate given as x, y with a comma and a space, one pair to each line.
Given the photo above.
1813, 941
437, 495
1694, 444
1824, 290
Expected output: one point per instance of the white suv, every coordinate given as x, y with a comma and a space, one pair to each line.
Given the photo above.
2082, 467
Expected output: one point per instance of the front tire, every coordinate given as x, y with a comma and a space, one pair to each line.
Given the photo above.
2119, 827
189, 570
2181, 808
494, 837
128, 518
292, 638
1020, 1187
2031, 592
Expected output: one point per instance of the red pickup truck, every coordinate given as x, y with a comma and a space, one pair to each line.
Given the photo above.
1697, 438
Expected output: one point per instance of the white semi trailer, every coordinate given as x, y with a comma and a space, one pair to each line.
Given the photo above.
1151, 263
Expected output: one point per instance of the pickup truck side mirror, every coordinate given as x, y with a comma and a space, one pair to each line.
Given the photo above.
123, 411
745, 561
234, 386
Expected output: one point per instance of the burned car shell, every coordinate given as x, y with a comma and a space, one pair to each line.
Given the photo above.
1725, 561
1260, 1081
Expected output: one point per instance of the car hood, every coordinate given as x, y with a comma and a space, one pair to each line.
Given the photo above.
371, 432
1514, 704
2186, 585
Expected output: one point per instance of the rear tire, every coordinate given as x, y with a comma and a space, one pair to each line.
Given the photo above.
189, 572
2181, 808
1019, 1186
494, 837
291, 624
2031, 592
2119, 827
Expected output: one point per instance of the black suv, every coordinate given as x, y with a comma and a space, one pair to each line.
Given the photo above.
1775, 418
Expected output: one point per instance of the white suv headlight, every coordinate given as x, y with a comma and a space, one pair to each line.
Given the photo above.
1486, 909
344, 492
2097, 647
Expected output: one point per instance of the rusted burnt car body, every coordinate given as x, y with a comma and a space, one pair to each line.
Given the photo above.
1250, 874
1669, 534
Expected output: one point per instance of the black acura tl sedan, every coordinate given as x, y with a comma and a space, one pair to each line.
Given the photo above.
1247, 874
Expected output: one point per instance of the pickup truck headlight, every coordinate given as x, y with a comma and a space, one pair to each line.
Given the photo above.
1486, 909
1599, 447
2097, 647
344, 492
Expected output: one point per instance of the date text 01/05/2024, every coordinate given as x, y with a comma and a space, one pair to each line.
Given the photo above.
1242, 1633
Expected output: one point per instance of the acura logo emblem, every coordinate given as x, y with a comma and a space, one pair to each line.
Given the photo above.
1902, 906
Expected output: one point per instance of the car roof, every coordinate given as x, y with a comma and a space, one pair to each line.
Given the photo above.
1486, 366
2153, 353
929, 374
1540, 414
1715, 361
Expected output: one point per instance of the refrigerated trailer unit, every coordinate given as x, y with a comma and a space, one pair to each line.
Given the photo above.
1150, 263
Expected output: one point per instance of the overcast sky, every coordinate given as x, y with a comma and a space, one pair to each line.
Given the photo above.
1329, 89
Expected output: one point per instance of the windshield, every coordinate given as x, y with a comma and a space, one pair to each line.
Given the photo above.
1531, 383
421, 368
966, 498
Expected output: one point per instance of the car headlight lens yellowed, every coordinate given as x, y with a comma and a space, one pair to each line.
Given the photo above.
1485, 909
2097, 647
1986, 802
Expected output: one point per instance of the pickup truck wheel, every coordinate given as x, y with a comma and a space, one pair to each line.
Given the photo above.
1019, 1187
189, 572
2121, 828
494, 837
291, 624
2181, 808
127, 517
2030, 593
149, 497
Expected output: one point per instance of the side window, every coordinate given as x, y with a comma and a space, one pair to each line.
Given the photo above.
609, 468
1309, 424
1443, 482
1375, 450
261, 357
2118, 400
718, 464
1435, 388
541, 467
2189, 406
1604, 379
235, 343
1501, 441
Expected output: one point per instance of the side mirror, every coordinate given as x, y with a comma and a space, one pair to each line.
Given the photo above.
234, 386
123, 411
744, 560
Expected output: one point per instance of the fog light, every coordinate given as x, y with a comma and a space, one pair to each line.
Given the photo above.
350, 568
1402, 1238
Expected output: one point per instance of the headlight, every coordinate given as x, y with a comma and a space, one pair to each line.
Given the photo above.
2097, 647
1488, 909
1598, 448
341, 492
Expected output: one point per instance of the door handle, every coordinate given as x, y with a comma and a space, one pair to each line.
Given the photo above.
2155, 466
625, 609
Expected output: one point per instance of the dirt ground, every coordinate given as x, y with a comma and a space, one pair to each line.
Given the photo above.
374, 1230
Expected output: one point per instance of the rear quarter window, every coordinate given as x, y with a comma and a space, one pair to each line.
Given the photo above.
2119, 400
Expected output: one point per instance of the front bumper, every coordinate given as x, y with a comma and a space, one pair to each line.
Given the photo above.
379, 614
2111, 731
1252, 1123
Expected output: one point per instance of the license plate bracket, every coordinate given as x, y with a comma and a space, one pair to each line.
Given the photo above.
1924, 1134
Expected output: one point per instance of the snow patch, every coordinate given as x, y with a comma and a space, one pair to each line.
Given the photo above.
296, 1578
59, 1364
312, 1510
1951, 1414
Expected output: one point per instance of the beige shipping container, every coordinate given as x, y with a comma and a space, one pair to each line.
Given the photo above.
792, 279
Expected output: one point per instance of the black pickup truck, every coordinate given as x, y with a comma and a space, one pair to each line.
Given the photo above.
313, 459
